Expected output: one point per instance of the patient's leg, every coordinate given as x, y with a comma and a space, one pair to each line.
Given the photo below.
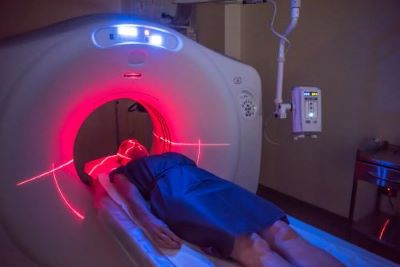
253, 251
295, 249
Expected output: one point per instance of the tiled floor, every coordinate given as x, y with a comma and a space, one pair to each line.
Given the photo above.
327, 221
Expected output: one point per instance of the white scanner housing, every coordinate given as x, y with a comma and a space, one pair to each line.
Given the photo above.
202, 104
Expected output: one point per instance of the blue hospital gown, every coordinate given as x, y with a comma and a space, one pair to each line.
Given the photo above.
198, 206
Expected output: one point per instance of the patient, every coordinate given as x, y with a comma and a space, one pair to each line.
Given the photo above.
220, 217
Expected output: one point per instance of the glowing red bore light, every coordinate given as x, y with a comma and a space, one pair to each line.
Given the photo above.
45, 173
66, 202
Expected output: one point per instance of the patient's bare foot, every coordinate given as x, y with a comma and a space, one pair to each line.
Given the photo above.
253, 251
295, 249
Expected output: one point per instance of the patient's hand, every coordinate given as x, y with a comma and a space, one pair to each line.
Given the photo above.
161, 235
159, 232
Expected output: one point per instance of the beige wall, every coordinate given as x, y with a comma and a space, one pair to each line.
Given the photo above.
209, 25
351, 50
23, 15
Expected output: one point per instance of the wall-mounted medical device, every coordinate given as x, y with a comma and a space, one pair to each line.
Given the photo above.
307, 113
306, 101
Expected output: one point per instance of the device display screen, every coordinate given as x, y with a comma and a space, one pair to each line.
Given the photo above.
308, 93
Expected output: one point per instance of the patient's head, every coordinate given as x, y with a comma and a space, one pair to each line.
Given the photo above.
132, 149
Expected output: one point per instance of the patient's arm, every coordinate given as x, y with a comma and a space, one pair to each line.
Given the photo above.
157, 229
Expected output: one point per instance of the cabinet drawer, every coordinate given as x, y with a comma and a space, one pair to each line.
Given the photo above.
372, 172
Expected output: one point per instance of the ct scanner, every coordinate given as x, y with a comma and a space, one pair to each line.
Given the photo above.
202, 104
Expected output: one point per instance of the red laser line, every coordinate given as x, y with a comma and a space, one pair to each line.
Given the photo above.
135, 145
123, 156
128, 149
189, 144
384, 228
101, 163
132, 142
131, 147
45, 173
198, 153
78, 214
